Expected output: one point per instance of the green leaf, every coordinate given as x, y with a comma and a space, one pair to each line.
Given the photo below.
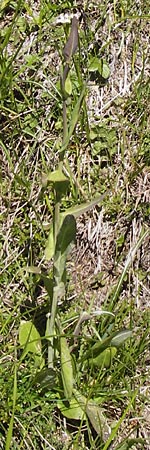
48, 283
33, 269
29, 338
84, 207
50, 247
95, 415
98, 348
65, 238
75, 211
66, 368
105, 70
98, 420
104, 359
68, 85
74, 119
94, 65
114, 341
99, 65
121, 337
67, 233
56, 176
46, 378
73, 411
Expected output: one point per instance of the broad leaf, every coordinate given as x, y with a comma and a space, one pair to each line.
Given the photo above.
46, 379
95, 64
114, 340
56, 176
33, 269
99, 65
105, 70
66, 368
75, 211
29, 338
73, 411
67, 233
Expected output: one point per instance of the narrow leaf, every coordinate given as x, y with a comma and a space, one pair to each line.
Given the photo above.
50, 247
84, 207
66, 368
72, 42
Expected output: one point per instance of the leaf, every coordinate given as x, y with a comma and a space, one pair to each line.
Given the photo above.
67, 233
56, 176
121, 337
48, 283
95, 65
50, 247
65, 238
98, 348
33, 269
46, 378
29, 338
74, 119
98, 420
76, 211
84, 207
68, 85
105, 71
104, 359
73, 411
66, 368
112, 340
99, 65
95, 415
72, 42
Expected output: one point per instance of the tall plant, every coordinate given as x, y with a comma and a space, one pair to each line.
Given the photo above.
71, 401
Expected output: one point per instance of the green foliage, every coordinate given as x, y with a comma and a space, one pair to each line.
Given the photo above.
100, 66
66, 368
30, 341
